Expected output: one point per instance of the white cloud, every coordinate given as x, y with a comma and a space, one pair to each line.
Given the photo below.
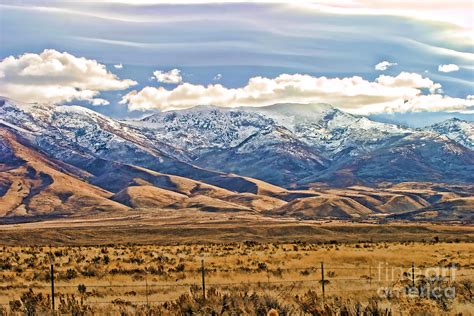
118, 66
456, 12
434, 102
384, 65
99, 101
173, 76
353, 94
54, 77
217, 77
448, 68
407, 79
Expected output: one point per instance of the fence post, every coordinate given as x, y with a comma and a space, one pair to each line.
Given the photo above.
146, 288
413, 274
322, 278
52, 283
203, 280
370, 276
451, 266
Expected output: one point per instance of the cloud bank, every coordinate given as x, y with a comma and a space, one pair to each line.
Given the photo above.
456, 12
401, 93
173, 76
55, 77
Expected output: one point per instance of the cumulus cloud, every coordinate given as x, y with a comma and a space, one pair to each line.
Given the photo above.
433, 102
404, 92
173, 76
55, 77
99, 101
118, 66
407, 79
448, 68
384, 65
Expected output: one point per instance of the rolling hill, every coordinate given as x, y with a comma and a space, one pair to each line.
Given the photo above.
286, 160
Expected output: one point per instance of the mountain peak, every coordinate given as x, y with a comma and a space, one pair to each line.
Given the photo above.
452, 121
456, 129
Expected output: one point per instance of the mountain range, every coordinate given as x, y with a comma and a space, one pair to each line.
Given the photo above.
307, 161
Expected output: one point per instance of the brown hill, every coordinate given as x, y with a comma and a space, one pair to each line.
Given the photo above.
210, 204
460, 209
324, 206
33, 185
255, 202
148, 196
382, 201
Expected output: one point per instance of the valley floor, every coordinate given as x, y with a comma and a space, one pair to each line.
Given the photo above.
172, 227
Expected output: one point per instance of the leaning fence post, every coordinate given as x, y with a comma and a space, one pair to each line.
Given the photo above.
203, 280
322, 278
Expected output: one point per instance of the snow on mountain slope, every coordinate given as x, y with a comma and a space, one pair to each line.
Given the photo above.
421, 156
320, 126
93, 142
330, 130
207, 127
305, 141
60, 129
236, 141
34, 185
284, 144
457, 130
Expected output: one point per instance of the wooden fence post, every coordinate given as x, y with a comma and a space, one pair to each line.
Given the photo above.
146, 288
52, 284
370, 276
322, 279
203, 280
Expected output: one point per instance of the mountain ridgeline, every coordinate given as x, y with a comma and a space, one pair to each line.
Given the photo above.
302, 160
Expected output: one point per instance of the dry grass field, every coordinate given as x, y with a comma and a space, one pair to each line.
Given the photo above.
171, 227
241, 278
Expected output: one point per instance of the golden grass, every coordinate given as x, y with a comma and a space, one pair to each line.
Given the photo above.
285, 271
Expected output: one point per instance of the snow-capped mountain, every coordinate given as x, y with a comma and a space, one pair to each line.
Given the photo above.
91, 141
285, 144
83, 130
308, 143
330, 130
457, 130
319, 126
238, 141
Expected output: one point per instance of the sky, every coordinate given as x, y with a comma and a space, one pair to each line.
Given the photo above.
399, 61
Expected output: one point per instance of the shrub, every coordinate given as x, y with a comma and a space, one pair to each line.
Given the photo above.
31, 303
81, 288
71, 274
262, 266
70, 305
180, 267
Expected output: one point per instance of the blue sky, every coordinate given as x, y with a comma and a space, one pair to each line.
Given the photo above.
219, 47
